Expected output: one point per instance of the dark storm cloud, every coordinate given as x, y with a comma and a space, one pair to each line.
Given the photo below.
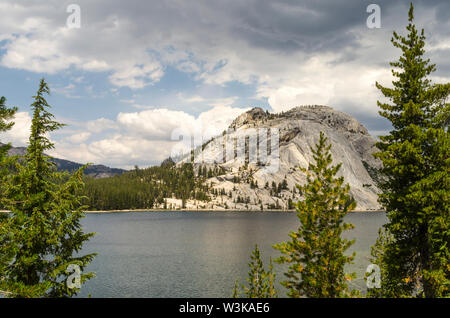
269, 44
284, 26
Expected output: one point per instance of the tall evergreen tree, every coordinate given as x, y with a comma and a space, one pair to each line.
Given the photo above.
261, 283
6, 114
315, 253
6, 123
416, 165
43, 236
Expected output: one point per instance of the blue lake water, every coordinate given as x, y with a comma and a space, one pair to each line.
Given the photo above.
196, 254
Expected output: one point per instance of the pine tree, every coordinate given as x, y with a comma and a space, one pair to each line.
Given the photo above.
315, 253
236, 291
416, 165
290, 204
377, 257
43, 232
260, 282
284, 185
6, 115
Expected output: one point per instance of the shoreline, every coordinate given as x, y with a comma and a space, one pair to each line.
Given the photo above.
201, 210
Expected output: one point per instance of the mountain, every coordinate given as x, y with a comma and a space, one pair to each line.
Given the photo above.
253, 165
95, 171
247, 182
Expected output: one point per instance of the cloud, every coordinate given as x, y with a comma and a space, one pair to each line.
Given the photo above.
155, 124
79, 138
68, 91
270, 44
353, 92
159, 124
45, 45
144, 138
217, 119
114, 151
290, 52
195, 99
128, 101
20, 132
139, 106
137, 76
99, 125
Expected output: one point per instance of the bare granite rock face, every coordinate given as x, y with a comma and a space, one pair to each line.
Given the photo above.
247, 181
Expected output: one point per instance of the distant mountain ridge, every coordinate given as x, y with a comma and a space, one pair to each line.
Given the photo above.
95, 171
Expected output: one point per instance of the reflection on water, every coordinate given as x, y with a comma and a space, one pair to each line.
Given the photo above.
195, 254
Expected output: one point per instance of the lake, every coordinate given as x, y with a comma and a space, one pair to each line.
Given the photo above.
196, 254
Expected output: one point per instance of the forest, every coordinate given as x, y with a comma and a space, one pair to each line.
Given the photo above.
145, 188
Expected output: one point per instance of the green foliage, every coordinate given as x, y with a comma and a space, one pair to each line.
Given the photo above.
315, 253
260, 282
43, 231
236, 292
416, 164
374, 173
388, 287
6, 115
145, 188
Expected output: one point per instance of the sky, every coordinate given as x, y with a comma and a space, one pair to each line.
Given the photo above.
134, 72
